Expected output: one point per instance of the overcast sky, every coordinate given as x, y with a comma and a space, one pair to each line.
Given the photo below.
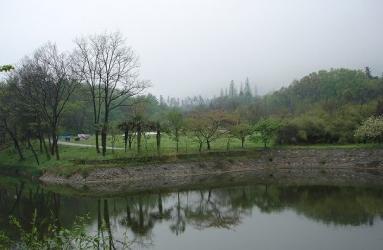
196, 47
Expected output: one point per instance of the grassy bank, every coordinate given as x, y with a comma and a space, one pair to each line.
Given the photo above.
81, 159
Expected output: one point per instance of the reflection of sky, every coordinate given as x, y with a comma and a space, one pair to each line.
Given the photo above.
283, 229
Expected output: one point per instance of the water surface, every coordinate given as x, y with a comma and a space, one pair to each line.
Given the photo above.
233, 217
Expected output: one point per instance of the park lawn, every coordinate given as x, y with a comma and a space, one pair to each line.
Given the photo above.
71, 157
168, 145
9, 161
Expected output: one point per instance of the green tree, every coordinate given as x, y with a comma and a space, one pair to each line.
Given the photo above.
241, 131
266, 129
176, 123
210, 125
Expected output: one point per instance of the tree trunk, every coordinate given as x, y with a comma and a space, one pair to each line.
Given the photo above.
97, 133
126, 139
45, 148
208, 144
15, 141
40, 135
104, 130
103, 139
146, 142
200, 147
158, 139
33, 150
50, 144
130, 141
177, 139
228, 144
242, 141
41, 143
55, 144
139, 138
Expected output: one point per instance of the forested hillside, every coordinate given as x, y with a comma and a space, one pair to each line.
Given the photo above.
325, 107
329, 90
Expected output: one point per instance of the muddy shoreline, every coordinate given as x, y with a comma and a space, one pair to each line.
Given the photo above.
307, 166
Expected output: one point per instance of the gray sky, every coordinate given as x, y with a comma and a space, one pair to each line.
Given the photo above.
196, 47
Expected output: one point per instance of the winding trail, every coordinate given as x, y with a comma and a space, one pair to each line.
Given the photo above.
84, 145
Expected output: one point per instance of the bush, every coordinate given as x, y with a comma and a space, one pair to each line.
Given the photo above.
371, 130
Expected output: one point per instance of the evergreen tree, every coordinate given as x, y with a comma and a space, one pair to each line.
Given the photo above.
241, 90
247, 89
232, 90
221, 93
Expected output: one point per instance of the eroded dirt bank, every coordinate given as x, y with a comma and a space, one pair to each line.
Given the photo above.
340, 166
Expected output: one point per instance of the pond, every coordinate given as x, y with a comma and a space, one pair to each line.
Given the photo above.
256, 216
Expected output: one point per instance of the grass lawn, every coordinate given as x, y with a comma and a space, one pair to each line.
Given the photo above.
168, 145
9, 161
71, 155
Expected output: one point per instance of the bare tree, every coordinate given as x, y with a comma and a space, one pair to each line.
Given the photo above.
46, 83
87, 68
110, 68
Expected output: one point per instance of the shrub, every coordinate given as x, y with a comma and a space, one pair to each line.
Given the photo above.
371, 130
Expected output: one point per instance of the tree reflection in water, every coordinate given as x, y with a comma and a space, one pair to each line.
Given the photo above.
133, 217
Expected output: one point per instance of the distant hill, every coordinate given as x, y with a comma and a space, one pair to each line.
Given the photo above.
330, 89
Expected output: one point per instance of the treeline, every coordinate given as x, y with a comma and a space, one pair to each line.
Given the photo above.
242, 93
336, 107
96, 89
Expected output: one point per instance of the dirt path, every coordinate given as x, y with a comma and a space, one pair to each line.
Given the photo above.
84, 145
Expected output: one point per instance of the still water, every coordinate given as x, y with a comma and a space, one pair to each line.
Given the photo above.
233, 217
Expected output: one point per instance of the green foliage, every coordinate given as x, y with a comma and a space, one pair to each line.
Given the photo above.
241, 131
266, 130
371, 130
332, 89
325, 107
5, 242
175, 119
175, 124
6, 68
75, 237
319, 126
210, 125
